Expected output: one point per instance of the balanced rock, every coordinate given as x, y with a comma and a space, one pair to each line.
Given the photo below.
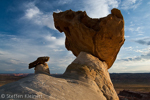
101, 37
40, 60
40, 65
88, 68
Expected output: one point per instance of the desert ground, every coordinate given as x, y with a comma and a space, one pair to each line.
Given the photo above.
138, 82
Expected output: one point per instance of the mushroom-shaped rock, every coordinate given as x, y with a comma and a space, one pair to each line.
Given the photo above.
40, 65
101, 37
40, 60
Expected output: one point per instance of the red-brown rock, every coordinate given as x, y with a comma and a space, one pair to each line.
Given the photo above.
101, 37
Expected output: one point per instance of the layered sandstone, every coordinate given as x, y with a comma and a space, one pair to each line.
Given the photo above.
101, 37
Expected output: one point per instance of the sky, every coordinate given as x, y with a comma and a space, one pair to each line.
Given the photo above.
27, 32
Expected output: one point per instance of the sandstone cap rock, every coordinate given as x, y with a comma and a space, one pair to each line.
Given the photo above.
101, 37
40, 60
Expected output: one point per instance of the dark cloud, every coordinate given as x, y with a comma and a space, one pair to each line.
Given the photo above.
144, 41
142, 57
141, 42
148, 43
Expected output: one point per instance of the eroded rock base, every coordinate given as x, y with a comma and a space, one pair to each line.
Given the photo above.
88, 68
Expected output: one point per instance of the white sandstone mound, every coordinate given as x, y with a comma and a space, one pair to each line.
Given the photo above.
45, 87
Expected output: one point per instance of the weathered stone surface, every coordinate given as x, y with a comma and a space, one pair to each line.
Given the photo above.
42, 68
88, 68
40, 60
45, 87
100, 37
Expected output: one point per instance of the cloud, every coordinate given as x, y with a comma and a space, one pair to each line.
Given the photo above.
127, 36
131, 67
138, 58
10, 65
2, 52
132, 24
35, 15
32, 11
143, 41
146, 16
128, 48
99, 8
10, 70
138, 29
62, 2
135, 64
130, 4
139, 34
55, 41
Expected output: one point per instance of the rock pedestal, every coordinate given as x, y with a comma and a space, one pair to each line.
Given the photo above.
88, 68
42, 68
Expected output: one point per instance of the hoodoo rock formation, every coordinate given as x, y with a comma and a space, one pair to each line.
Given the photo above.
40, 60
96, 43
100, 37
40, 65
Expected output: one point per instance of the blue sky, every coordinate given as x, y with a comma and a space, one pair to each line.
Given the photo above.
27, 32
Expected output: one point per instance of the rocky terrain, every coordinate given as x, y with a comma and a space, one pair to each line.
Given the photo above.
95, 43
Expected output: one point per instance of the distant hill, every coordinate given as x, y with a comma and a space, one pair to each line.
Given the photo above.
8, 78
